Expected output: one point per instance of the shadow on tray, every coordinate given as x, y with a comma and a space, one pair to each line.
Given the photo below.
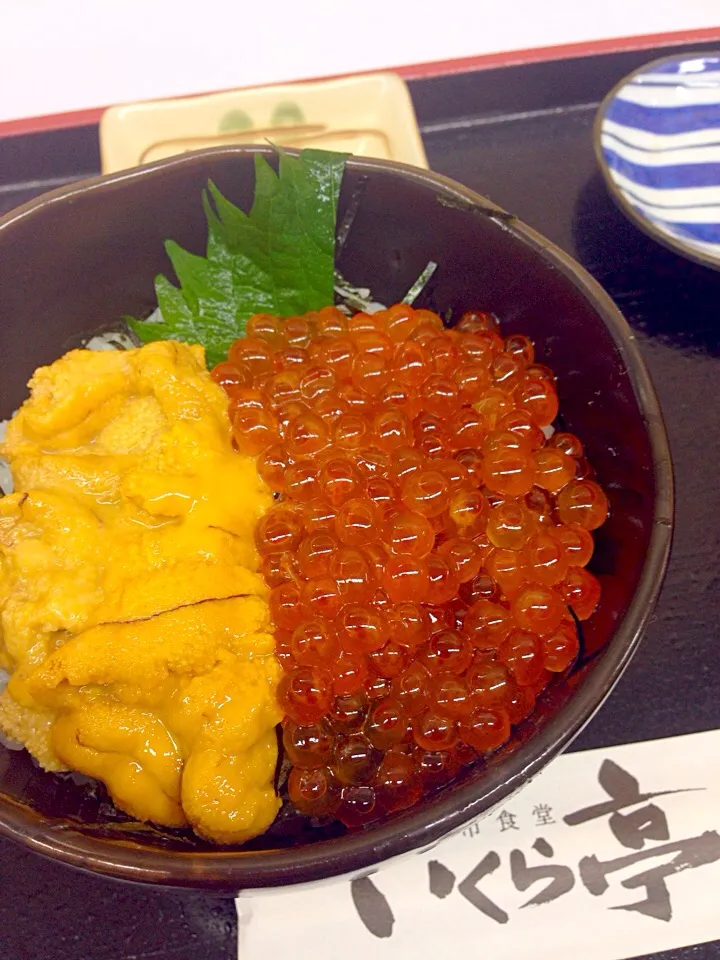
661, 294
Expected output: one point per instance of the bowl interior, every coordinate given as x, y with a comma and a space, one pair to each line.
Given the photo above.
86, 258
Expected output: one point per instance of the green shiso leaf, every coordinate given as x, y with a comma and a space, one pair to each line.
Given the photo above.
277, 259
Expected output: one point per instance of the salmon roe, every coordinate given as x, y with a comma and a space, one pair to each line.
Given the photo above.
426, 552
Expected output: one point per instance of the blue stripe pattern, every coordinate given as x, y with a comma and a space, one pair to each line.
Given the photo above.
650, 115
675, 176
687, 67
664, 120
705, 232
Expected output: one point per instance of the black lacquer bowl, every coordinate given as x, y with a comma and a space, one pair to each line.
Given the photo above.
85, 256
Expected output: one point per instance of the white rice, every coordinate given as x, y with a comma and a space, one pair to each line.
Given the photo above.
111, 341
6, 741
6, 483
5, 487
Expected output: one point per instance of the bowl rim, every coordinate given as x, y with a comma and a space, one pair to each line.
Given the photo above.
358, 853
655, 233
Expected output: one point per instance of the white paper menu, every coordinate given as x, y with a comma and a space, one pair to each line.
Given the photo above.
608, 854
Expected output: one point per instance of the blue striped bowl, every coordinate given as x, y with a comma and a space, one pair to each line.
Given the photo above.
657, 139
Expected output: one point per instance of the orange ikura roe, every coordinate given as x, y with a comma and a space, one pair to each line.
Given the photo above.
426, 554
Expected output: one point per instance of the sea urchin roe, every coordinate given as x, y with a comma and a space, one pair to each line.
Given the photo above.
134, 621
437, 543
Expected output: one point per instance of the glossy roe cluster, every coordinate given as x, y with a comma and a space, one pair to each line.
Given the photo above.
425, 547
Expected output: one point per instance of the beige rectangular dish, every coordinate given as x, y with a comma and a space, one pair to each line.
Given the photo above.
370, 116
